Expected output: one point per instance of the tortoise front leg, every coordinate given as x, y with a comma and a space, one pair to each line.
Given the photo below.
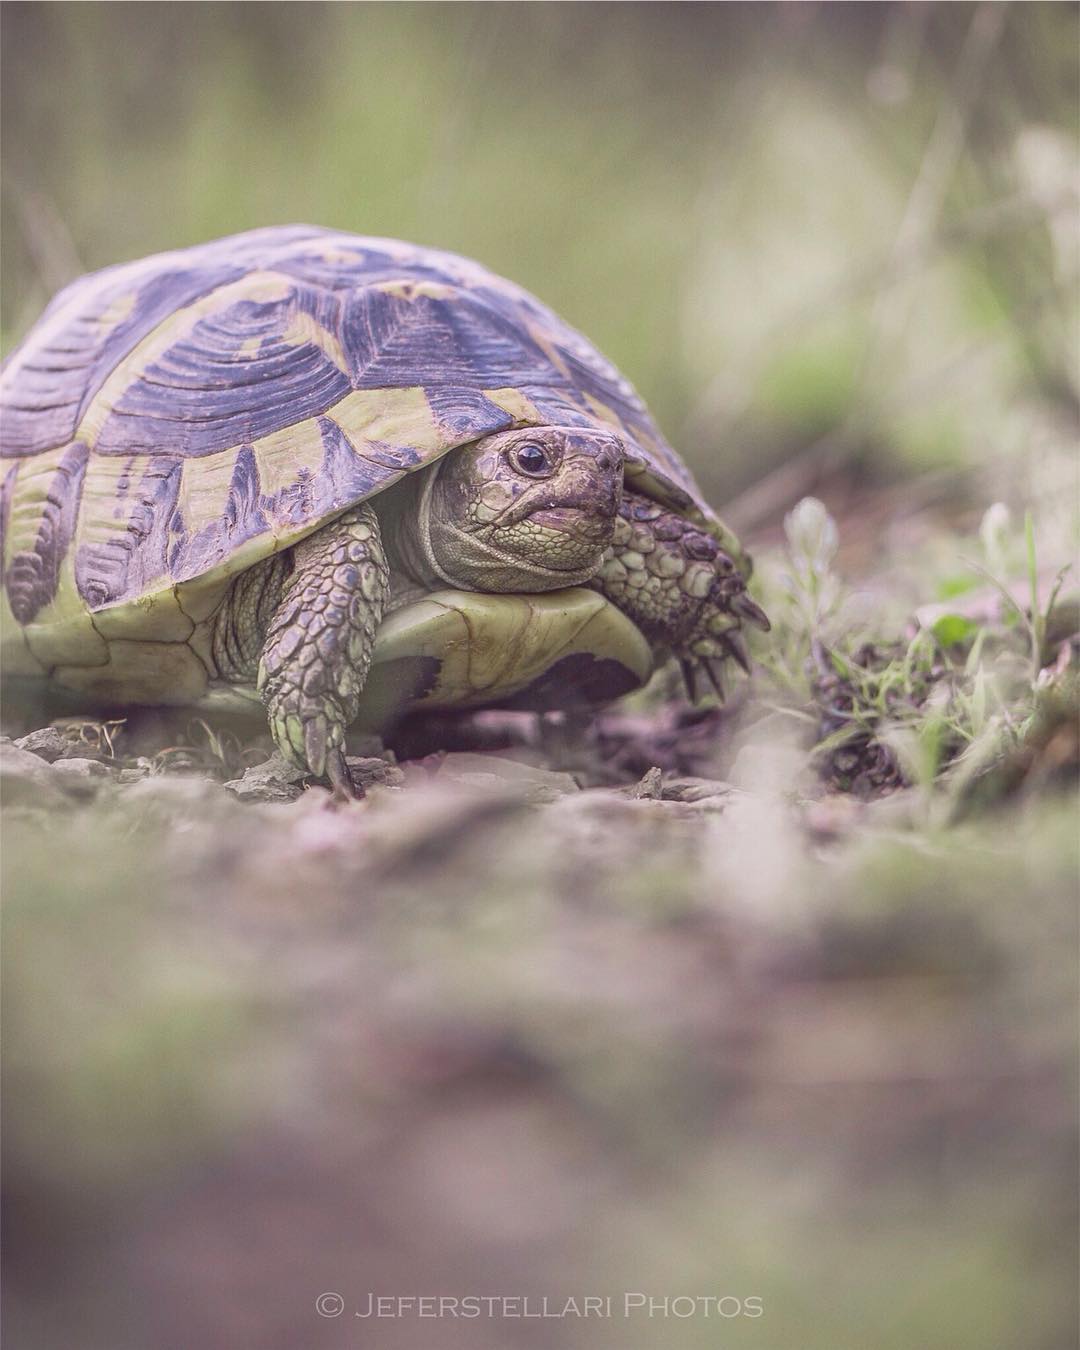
685, 593
318, 645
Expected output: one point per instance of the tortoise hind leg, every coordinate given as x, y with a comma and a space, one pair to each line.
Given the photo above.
319, 641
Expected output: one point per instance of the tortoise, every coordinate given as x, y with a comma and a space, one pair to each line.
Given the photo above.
227, 471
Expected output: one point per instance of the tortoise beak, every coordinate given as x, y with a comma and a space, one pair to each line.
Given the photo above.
582, 493
581, 522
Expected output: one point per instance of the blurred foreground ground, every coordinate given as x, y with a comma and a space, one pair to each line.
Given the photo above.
793, 1018
495, 1035
639, 1007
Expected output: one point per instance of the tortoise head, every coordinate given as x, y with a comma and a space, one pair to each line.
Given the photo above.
529, 510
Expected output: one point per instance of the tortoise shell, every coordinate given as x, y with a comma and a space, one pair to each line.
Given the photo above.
169, 422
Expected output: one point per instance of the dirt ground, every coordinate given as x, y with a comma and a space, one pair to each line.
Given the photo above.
639, 1009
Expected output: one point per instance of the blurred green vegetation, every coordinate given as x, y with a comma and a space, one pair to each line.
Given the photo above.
760, 1039
785, 222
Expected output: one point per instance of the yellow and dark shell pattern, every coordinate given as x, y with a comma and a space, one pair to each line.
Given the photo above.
170, 422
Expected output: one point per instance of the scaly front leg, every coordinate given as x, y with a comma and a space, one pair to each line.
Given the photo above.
682, 590
319, 641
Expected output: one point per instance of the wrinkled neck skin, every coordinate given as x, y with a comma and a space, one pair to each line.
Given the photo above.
430, 548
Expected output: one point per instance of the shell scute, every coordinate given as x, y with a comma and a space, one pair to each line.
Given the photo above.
208, 381
44, 510
124, 520
396, 338
82, 337
230, 398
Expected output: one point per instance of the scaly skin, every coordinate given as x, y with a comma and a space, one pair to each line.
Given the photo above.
525, 511
481, 522
681, 589
241, 626
318, 645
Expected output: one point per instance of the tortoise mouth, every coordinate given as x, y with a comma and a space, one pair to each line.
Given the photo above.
581, 522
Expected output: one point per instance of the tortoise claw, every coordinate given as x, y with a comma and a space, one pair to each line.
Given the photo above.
345, 788
750, 611
736, 646
691, 673
714, 670
703, 675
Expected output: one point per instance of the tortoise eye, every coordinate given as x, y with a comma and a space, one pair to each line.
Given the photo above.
533, 460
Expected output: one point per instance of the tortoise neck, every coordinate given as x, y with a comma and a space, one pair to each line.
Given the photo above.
242, 620
404, 514
425, 542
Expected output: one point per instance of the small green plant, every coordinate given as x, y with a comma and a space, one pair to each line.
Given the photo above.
204, 749
935, 703
92, 735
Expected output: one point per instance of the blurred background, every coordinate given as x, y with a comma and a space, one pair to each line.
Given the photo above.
258, 1052
832, 232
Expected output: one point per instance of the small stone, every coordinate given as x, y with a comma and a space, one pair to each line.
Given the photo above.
634, 562
274, 780
691, 789
47, 743
650, 786
26, 780
134, 773
368, 772
80, 777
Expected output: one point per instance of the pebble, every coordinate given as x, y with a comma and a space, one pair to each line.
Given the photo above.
368, 771
274, 780
26, 780
80, 777
651, 785
691, 789
47, 743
